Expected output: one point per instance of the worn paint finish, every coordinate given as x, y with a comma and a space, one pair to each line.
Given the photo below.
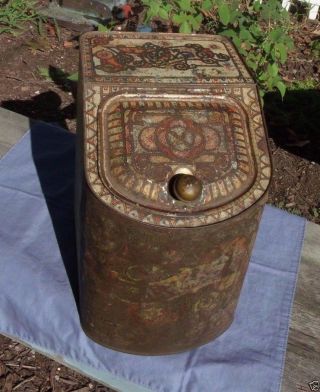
159, 275
153, 290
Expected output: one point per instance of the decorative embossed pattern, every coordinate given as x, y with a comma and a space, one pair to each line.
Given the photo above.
96, 94
147, 140
121, 58
153, 290
159, 275
150, 58
129, 170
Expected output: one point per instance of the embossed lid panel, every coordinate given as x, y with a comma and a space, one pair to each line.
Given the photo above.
146, 140
164, 58
139, 136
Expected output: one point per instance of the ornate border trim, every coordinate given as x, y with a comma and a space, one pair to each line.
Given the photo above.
231, 185
90, 74
246, 95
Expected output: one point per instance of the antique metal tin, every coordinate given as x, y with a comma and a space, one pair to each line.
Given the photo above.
158, 274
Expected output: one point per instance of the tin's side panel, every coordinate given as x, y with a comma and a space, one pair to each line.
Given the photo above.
79, 176
152, 290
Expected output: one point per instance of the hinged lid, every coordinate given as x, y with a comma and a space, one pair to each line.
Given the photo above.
158, 105
161, 58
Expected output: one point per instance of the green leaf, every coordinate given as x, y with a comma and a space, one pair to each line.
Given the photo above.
229, 33
262, 94
266, 47
185, 28
149, 16
163, 14
207, 5
252, 61
235, 16
255, 30
73, 77
257, 5
155, 6
237, 41
252, 64
246, 35
283, 52
224, 13
282, 88
273, 69
199, 18
289, 42
276, 35
263, 76
44, 72
102, 28
195, 22
185, 5
179, 18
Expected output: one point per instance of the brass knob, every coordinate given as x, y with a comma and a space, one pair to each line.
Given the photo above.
186, 187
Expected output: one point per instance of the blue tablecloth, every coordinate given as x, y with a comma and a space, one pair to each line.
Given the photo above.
38, 285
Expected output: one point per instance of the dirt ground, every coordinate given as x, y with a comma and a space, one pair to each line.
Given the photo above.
27, 88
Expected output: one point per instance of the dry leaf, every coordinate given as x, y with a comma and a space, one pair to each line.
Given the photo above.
68, 44
2, 369
8, 383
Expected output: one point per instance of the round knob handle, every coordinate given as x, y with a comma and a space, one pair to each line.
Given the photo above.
186, 187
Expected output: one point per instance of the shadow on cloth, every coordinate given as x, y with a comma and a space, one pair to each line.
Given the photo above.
53, 151
46, 106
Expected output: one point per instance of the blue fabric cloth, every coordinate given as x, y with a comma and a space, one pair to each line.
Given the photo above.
144, 29
37, 304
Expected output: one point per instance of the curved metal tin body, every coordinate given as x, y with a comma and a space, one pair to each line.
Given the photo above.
158, 274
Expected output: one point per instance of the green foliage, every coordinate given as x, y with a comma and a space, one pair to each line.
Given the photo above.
104, 28
315, 48
306, 84
14, 14
258, 30
58, 76
182, 13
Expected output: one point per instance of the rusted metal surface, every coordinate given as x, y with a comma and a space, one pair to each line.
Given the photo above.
175, 170
154, 290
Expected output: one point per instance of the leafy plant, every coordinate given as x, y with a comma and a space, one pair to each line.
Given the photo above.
186, 14
307, 84
103, 28
14, 14
59, 76
315, 48
259, 30
260, 33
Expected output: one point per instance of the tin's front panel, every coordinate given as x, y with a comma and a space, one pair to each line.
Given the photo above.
152, 290
146, 140
121, 138
162, 267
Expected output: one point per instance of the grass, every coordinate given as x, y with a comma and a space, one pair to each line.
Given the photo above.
15, 14
308, 84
